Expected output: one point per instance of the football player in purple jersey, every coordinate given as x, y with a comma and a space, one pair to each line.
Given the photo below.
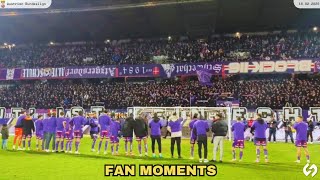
301, 138
60, 130
259, 128
78, 123
115, 130
193, 137
39, 132
238, 129
104, 125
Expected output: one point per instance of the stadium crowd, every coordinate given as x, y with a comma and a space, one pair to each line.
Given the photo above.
300, 91
243, 48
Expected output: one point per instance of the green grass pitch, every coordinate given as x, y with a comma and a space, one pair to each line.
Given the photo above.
88, 165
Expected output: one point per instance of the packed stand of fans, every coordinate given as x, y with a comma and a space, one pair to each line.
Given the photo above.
299, 91
244, 48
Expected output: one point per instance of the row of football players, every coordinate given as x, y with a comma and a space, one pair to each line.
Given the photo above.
63, 130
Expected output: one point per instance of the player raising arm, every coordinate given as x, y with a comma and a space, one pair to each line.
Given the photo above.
175, 127
200, 129
301, 138
259, 128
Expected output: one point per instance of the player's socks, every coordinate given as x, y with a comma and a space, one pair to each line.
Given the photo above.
131, 147
93, 143
100, 144
77, 146
14, 142
117, 148
112, 149
67, 146
42, 146
23, 143
308, 157
29, 143
234, 154
265, 151
57, 145
139, 148
146, 149
106, 146
19, 143
62, 145
241, 154
37, 146
192, 151
126, 147
258, 153
70, 146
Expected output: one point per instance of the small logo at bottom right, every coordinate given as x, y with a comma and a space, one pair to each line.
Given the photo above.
310, 170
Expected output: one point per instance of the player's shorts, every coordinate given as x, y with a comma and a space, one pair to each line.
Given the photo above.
127, 139
141, 138
260, 141
18, 131
238, 143
77, 134
114, 139
104, 135
193, 140
39, 136
301, 143
26, 136
94, 135
59, 134
68, 135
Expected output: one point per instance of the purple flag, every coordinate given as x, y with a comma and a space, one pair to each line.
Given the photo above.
204, 76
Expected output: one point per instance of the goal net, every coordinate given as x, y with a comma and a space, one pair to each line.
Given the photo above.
187, 113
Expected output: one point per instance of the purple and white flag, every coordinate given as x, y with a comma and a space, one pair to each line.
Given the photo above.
204, 76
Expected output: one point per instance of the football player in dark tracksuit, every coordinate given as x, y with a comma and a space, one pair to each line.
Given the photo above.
127, 132
310, 130
272, 129
28, 129
141, 131
288, 130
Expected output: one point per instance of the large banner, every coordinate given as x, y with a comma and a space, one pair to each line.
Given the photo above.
281, 66
288, 114
162, 70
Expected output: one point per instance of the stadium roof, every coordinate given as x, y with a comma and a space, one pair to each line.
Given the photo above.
77, 20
